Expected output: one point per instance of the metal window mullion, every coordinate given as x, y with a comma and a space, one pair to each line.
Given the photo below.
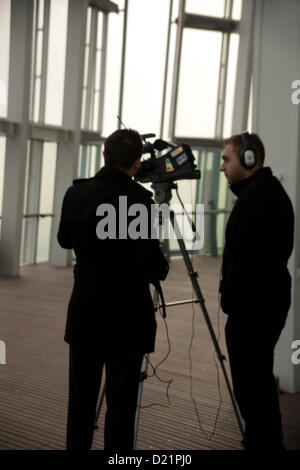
44, 60
228, 9
34, 56
32, 203
175, 84
222, 86
121, 94
223, 74
103, 71
91, 71
163, 107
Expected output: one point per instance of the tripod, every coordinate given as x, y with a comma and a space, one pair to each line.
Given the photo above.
163, 195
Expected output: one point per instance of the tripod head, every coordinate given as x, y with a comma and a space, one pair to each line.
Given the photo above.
163, 191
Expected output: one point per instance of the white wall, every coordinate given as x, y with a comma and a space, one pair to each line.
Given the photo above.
276, 120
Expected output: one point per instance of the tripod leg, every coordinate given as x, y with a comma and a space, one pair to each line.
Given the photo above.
101, 399
143, 376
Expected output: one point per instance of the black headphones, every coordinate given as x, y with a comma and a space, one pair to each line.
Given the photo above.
248, 155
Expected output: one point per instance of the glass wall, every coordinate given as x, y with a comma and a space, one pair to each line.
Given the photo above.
145, 62
56, 61
113, 71
129, 71
198, 83
203, 7
90, 160
38, 202
46, 201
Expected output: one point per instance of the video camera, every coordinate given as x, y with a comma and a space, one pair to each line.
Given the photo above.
176, 164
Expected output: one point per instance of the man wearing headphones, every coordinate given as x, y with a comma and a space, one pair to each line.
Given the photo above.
256, 285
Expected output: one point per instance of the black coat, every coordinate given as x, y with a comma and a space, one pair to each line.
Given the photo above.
258, 243
110, 305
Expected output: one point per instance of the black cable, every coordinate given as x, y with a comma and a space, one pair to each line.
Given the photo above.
208, 437
155, 374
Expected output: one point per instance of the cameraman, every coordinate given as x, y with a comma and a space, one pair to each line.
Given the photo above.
256, 285
111, 319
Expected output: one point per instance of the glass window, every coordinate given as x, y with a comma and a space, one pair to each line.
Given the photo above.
230, 83
237, 9
56, 61
4, 54
41, 14
205, 7
145, 63
113, 72
46, 200
198, 83
48, 177
43, 243
90, 160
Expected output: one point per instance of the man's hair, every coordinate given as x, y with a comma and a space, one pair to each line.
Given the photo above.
122, 148
254, 141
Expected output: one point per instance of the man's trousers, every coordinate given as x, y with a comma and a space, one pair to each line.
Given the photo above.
250, 346
122, 382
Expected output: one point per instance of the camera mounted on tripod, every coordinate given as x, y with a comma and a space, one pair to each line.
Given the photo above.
178, 163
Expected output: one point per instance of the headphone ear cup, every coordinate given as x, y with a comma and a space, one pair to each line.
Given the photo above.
249, 158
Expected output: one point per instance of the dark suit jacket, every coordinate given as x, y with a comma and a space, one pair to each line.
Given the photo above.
256, 283
110, 305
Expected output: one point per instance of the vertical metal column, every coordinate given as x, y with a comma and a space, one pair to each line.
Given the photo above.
68, 152
244, 68
103, 71
243, 72
88, 122
16, 145
223, 76
44, 60
178, 51
163, 107
31, 224
123, 62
